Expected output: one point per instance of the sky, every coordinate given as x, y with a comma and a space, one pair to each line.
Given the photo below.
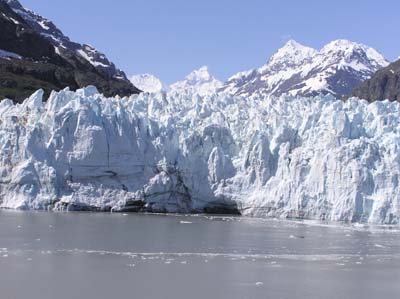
171, 38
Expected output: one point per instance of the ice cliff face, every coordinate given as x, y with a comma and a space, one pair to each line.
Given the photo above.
315, 158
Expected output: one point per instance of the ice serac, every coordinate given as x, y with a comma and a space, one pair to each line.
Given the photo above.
298, 70
316, 158
148, 83
199, 81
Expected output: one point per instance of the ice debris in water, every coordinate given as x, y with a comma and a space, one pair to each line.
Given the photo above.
186, 222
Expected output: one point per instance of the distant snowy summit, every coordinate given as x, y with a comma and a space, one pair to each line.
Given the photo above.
148, 83
199, 81
337, 69
298, 70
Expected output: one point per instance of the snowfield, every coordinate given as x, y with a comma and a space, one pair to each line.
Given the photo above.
316, 158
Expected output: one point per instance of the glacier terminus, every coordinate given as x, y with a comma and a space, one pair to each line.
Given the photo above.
289, 156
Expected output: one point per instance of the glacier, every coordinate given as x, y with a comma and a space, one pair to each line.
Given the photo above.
290, 157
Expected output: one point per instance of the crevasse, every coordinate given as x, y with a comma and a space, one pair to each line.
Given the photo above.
316, 158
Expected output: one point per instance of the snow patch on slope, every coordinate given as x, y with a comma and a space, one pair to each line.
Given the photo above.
9, 55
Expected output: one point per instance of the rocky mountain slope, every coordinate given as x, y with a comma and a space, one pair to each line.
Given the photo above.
384, 84
316, 158
41, 57
298, 70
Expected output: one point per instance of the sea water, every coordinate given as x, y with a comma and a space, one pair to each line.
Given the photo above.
89, 255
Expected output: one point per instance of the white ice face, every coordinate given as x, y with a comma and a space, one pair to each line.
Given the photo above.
287, 157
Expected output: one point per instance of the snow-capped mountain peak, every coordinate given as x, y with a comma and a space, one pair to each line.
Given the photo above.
298, 70
345, 46
199, 81
350, 52
342, 44
292, 53
148, 83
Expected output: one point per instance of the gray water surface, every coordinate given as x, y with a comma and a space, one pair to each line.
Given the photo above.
88, 255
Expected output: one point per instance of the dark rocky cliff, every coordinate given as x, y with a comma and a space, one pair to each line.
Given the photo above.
384, 84
29, 61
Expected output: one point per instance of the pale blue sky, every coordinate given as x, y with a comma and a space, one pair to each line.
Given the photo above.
170, 38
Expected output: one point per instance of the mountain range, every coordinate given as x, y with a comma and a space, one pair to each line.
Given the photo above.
35, 54
298, 70
337, 69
